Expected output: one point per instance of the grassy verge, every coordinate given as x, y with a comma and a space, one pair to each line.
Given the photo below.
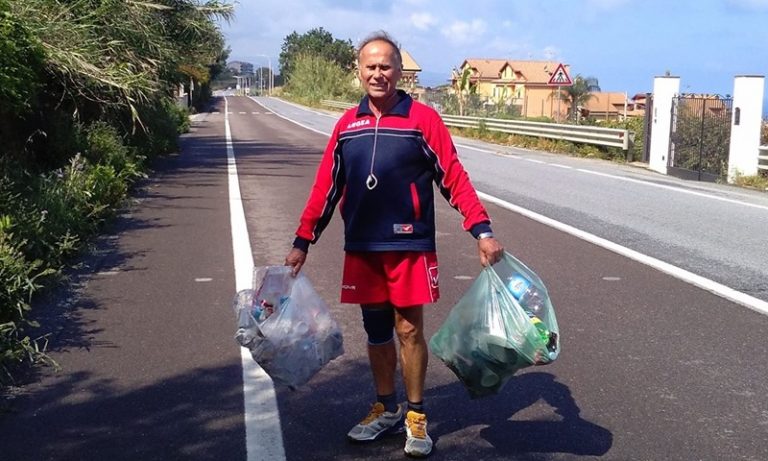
47, 217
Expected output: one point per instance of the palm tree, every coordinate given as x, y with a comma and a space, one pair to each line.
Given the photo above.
578, 94
462, 87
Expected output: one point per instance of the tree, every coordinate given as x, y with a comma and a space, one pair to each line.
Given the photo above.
579, 94
463, 88
318, 78
317, 42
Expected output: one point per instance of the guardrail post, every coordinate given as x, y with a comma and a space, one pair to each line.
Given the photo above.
664, 89
745, 125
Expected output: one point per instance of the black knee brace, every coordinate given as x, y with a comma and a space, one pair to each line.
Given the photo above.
379, 324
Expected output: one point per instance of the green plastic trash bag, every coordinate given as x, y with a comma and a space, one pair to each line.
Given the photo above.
503, 323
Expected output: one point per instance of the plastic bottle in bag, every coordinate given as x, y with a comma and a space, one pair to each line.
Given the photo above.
526, 293
549, 338
541, 329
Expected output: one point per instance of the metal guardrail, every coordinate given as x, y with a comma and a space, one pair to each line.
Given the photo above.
762, 157
613, 137
337, 104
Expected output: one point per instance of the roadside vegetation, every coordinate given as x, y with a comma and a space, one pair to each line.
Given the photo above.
88, 97
317, 66
760, 180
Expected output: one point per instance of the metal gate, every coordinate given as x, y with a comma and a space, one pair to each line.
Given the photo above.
700, 137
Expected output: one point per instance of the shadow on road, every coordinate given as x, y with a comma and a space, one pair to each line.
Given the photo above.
563, 432
79, 417
515, 424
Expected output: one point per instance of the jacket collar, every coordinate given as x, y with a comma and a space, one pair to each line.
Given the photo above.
402, 107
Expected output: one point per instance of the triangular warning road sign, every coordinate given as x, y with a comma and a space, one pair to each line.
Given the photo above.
560, 77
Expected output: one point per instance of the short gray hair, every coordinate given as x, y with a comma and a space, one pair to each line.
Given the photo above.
381, 36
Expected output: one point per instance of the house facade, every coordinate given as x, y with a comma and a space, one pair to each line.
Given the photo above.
524, 84
411, 69
613, 106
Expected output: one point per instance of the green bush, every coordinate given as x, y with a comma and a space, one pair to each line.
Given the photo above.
316, 78
636, 127
163, 120
18, 281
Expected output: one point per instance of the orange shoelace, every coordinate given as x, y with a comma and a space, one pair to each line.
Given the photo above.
376, 410
417, 423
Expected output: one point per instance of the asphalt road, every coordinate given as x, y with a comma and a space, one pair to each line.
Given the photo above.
652, 368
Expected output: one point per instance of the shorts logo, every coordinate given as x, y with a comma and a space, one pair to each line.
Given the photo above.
358, 124
403, 228
433, 276
349, 287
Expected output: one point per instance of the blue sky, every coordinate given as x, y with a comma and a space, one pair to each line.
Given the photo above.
624, 43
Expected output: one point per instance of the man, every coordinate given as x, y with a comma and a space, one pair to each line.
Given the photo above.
381, 161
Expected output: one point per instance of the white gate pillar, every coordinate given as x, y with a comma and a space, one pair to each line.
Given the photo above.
664, 89
745, 125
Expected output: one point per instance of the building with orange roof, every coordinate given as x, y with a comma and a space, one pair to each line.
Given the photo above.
521, 83
411, 71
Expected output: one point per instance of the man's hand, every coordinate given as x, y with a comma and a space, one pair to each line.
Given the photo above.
491, 251
295, 259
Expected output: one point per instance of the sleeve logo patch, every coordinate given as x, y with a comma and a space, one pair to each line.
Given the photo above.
403, 228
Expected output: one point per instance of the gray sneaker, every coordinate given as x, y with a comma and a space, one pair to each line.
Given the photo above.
417, 442
377, 423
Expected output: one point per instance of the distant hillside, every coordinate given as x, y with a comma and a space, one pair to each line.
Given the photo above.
433, 79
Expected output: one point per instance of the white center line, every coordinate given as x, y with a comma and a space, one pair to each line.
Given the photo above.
263, 435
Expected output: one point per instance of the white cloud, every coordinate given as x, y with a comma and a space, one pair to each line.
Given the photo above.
423, 21
504, 46
461, 32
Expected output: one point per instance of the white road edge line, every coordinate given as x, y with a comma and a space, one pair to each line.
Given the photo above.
305, 109
673, 188
689, 277
263, 435
291, 120
681, 274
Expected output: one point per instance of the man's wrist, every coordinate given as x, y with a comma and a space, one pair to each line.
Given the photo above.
301, 244
484, 235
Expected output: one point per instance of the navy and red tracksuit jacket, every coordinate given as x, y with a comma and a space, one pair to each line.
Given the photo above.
406, 150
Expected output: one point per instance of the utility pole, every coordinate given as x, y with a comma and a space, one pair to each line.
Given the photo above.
270, 81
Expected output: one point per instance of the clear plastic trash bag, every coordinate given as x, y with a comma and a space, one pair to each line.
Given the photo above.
503, 323
286, 326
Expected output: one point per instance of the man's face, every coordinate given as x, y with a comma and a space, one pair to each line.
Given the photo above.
379, 69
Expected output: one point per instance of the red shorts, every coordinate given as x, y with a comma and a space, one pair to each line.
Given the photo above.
404, 278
